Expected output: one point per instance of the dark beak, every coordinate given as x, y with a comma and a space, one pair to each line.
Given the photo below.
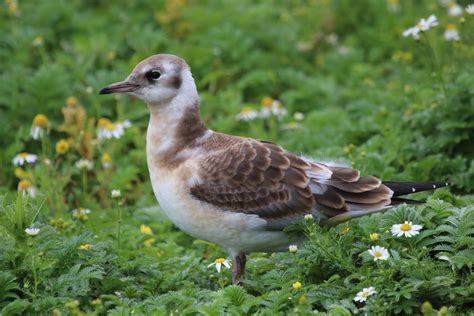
119, 87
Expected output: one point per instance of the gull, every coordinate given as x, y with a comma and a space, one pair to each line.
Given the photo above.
239, 192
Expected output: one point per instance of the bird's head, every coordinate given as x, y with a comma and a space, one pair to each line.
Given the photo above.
157, 80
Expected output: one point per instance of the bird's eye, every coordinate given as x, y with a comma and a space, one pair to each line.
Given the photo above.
153, 75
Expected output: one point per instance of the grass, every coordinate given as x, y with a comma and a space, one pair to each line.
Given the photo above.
395, 107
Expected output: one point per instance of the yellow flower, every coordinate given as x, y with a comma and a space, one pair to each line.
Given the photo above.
20, 173
24, 184
374, 236
26, 187
71, 101
85, 247
39, 126
12, 7
145, 230
149, 242
62, 146
297, 285
267, 101
247, 114
40, 120
106, 161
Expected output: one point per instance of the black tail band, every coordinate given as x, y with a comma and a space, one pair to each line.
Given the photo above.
403, 188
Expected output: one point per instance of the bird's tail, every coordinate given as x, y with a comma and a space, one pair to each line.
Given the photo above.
399, 189
404, 188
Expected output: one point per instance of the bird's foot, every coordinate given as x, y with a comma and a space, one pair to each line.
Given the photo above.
239, 269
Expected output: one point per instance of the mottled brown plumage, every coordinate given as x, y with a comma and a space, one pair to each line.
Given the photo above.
258, 177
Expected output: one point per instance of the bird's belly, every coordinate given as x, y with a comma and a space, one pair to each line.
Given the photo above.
237, 232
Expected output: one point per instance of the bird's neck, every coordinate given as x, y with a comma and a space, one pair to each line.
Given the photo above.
173, 128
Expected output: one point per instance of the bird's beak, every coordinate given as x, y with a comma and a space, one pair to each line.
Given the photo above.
119, 87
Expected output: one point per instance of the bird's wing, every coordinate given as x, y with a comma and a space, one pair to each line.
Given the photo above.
261, 178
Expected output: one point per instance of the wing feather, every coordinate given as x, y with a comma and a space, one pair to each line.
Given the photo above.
259, 177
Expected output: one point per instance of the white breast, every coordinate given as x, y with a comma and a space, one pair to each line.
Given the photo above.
237, 232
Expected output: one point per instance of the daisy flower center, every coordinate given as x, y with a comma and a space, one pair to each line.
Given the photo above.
24, 184
23, 155
106, 158
405, 227
219, 260
365, 294
40, 120
110, 127
378, 254
104, 123
266, 102
451, 27
247, 109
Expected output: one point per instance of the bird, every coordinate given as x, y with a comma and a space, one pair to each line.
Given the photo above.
240, 192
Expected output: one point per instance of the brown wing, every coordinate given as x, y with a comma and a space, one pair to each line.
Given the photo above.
258, 177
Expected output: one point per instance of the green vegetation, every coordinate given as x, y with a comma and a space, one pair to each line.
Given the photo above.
355, 90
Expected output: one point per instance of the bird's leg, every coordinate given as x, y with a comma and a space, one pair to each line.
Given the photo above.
239, 268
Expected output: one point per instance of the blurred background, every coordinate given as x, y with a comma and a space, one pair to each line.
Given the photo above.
364, 94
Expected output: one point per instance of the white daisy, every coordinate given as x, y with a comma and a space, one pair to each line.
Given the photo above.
454, 9
126, 124
362, 296
430, 22
422, 26
393, 6
413, 31
32, 231
298, 116
81, 214
84, 164
406, 229
106, 161
470, 9
107, 130
308, 217
219, 262
21, 158
278, 109
39, 126
451, 33
247, 114
116, 194
379, 253
293, 248
27, 188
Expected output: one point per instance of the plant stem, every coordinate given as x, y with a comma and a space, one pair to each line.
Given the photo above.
43, 145
84, 181
35, 276
119, 226
436, 68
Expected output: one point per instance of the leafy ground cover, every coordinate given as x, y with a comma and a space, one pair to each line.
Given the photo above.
335, 80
